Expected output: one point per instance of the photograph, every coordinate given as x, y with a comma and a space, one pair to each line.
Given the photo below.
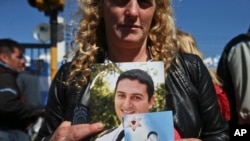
124, 88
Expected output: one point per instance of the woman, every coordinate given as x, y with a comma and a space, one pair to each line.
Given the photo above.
134, 31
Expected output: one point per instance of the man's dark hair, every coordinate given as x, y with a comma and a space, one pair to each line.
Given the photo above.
7, 46
140, 75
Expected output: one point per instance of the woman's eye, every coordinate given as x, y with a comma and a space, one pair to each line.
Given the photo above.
141, 3
120, 2
145, 2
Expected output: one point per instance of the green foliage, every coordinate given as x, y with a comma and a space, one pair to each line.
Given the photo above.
102, 98
159, 94
102, 104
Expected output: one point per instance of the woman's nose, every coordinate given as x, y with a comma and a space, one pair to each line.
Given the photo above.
132, 8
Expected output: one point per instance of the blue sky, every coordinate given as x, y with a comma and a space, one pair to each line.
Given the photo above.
212, 22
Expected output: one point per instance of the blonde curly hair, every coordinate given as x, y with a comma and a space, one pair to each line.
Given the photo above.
187, 43
89, 45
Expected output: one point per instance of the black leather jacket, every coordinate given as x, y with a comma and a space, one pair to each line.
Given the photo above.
190, 95
14, 112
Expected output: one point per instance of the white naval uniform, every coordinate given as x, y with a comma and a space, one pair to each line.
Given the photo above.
111, 136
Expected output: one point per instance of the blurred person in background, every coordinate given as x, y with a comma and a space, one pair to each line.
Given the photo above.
16, 117
234, 69
28, 83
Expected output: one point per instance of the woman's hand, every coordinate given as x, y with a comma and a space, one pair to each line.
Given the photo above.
68, 132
